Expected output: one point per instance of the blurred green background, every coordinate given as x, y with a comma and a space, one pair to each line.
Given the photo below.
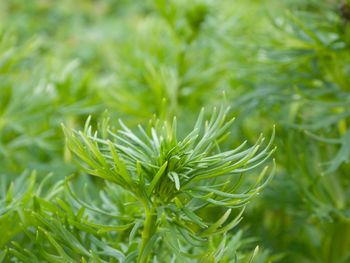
283, 63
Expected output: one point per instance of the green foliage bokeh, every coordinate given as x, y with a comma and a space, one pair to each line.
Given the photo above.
283, 63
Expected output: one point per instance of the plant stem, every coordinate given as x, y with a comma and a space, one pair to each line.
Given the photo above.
148, 231
339, 240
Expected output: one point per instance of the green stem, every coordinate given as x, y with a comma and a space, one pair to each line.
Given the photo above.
148, 231
339, 241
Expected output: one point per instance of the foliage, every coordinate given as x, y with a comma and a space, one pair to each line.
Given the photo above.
147, 188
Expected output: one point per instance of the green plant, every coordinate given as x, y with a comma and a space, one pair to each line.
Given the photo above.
173, 180
283, 62
309, 52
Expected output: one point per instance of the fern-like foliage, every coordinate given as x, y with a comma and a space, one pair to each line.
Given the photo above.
173, 178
